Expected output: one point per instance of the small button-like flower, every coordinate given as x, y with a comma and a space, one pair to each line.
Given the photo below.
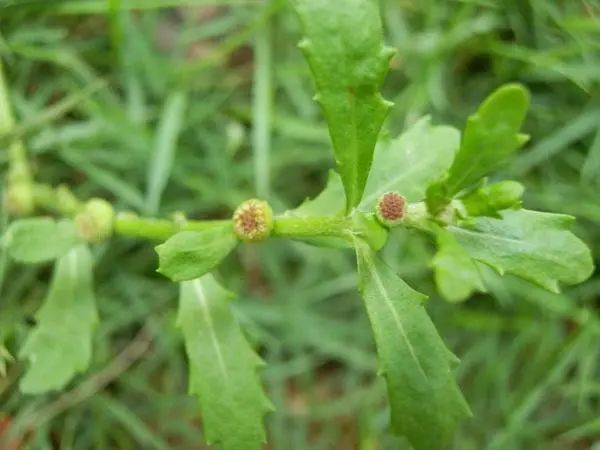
253, 220
18, 199
390, 209
95, 222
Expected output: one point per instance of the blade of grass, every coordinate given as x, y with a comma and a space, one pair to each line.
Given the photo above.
124, 191
146, 436
165, 145
52, 113
557, 141
262, 89
591, 166
101, 7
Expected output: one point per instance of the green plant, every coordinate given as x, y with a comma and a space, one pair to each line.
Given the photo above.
440, 175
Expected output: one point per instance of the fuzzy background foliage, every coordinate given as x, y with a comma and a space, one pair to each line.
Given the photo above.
207, 103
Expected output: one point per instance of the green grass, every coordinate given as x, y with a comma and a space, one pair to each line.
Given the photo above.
166, 109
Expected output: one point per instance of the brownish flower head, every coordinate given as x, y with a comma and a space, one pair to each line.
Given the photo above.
391, 209
253, 220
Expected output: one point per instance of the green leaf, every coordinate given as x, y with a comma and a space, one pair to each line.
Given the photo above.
532, 245
40, 239
456, 274
330, 200
60, 345
411, 162
490, 137
426, 403
344, 49
491, 198
222, 367
191, 254
368, 228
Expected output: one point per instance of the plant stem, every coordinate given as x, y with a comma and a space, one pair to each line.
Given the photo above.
19, 170
417, 217
303, 227
58, 200
132, 225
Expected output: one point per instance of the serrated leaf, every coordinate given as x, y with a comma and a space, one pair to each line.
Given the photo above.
330, 200
456, 274
426, 404
60, 345
533, 245
410, 162
491, 135
40, 239
222, 367
191, 254
344, 49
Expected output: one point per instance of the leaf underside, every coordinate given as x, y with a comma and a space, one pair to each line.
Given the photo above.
223, 367
344, 49
456, 273
533, 245
426, 403
60, 345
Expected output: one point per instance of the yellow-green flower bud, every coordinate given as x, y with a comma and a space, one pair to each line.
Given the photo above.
253, 220
95, 222
18, 199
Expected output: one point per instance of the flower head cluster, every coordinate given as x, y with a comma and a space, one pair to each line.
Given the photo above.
253, 220
390, 209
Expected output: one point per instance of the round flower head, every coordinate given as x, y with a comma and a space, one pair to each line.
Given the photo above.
253, 220
18, 199
390, 209
95, 222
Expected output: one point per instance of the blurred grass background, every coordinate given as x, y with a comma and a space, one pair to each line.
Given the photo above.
208, 103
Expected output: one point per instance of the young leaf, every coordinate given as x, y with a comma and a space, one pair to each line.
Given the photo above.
191, 254
491, 198
425, 401
222, 367
456, 274
329, 201
533, 245
490, 137
369, 229
40, 239
344, 49
412, 161
60, 345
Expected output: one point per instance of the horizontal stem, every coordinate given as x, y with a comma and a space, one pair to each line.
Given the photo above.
58, 200
417, 217
303, 227
132, 225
